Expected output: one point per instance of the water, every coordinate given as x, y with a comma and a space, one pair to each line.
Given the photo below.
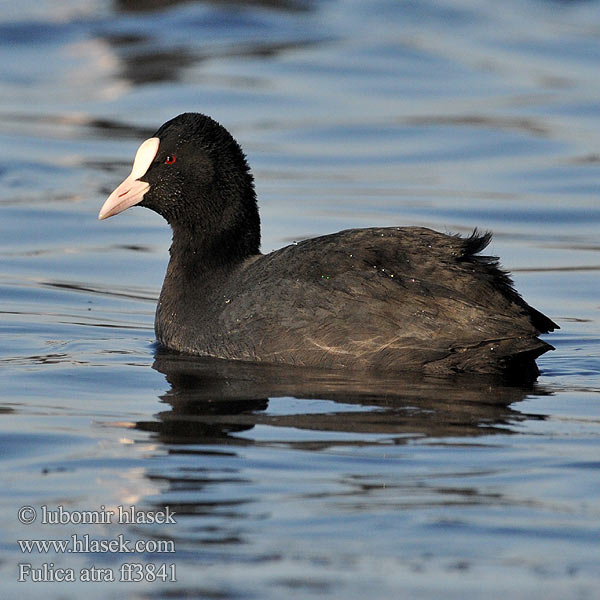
300, 484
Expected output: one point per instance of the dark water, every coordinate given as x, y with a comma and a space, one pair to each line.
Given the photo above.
292, 483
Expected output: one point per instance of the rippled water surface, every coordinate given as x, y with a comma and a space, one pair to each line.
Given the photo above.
291, 483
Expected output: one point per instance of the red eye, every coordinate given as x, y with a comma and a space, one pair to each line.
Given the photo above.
170, 159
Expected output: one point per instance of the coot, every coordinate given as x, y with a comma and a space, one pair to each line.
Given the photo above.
388, 298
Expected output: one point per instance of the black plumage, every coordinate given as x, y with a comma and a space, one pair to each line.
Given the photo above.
382, 298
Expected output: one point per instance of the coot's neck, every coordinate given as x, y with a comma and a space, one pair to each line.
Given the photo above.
206, 249
219, 228
198, 269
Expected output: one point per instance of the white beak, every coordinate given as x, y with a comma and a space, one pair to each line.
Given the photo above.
131, 191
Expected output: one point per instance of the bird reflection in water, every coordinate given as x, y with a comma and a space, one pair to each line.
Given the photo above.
209, 427
210, 401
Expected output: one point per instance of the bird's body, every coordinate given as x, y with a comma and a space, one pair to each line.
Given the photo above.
380, 298
385, 298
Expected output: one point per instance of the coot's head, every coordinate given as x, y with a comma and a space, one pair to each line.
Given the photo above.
194, 174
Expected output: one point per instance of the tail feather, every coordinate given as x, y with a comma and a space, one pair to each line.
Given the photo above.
500, 278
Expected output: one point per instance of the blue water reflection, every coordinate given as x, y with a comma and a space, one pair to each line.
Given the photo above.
449, 115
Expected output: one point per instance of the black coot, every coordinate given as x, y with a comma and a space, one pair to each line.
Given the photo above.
392, 298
